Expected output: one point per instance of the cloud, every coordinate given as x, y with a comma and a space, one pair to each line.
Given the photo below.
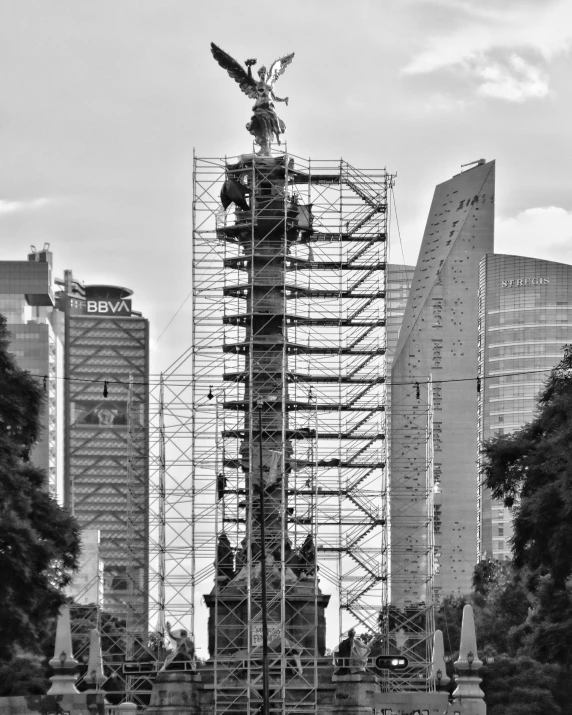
516, 81
11, 207
441, 103
490, 41
543, 232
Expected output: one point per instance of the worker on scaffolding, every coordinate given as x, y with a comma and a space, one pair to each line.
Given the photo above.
184, 651
350, 656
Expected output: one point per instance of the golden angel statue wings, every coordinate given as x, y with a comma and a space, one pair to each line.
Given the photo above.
264, 123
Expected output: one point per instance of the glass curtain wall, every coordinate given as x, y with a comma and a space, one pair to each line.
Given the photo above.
525, 308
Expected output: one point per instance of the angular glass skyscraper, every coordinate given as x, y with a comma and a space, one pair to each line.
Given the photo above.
433, 515
525, 317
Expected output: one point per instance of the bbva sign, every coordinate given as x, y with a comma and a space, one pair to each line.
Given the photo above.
109, 307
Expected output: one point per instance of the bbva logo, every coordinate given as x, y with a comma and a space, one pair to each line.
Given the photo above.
113, 307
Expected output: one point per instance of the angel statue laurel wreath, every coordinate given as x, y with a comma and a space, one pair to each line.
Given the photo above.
264, 124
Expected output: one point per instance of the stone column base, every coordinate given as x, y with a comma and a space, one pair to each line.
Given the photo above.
175, 692
355, 693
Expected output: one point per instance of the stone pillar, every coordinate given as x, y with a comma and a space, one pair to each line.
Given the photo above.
95, 677
438, 666
63, 662
468, 693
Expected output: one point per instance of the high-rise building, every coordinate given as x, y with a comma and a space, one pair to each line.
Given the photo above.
434, 392
525, 317
36, 332
84, 345
106, 433
89, 350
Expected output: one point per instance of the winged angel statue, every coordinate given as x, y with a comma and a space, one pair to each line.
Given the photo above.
265, 123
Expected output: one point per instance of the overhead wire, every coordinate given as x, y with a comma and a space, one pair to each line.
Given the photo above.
415, 380
173, 318
392, 192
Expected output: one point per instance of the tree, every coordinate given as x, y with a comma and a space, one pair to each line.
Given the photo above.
523, 686
23, 676
39, 541
531, 470
547, 634
448, 619
500, 604
527, 677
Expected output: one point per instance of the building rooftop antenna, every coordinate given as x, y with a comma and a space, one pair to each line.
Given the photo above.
478, 162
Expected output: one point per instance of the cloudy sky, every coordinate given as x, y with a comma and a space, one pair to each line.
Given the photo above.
102, 103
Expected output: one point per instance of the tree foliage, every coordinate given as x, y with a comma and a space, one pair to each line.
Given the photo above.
39, 541
23, 676
530, 673
531, 470
523, 608
501, 603
523, 686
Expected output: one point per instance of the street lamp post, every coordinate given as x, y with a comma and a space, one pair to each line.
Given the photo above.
265, 690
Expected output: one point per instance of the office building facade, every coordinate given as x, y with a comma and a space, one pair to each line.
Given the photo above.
433, 515
86, 345
106, 433
36, 334
525, 317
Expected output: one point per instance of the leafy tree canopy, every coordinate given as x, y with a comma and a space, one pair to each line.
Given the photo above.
531, 470
522, 686
39, 541
518, 621
23, 676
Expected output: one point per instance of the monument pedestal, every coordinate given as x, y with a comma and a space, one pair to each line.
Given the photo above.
175, 693
355, 693
410, 702
228, 607
469, 694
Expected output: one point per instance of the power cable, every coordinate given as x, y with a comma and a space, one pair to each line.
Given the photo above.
415, 380
397, 223
173, 318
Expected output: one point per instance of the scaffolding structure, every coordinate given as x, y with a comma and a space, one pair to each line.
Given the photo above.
121, 617
414, 518
51, 385
278, 406
137, 601
173, 514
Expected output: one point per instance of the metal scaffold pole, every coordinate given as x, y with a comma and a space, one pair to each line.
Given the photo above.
264, 604
162, 544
